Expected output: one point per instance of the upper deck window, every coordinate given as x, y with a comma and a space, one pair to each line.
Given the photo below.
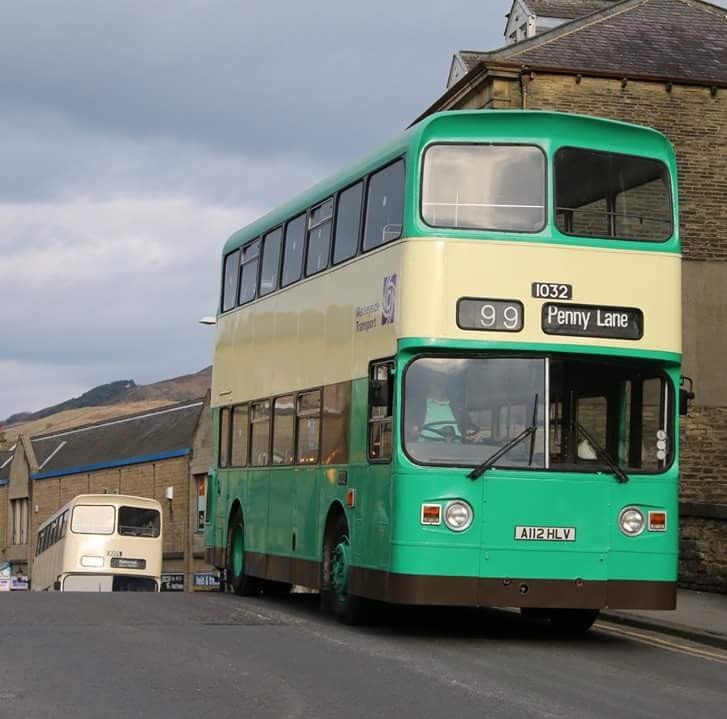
384, 206
604, 194
229, 280
484, 187
93, 519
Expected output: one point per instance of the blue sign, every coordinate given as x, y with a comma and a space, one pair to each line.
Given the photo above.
206, 581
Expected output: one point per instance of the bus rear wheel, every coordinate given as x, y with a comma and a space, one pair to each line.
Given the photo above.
572, 622
242, 584
335, 569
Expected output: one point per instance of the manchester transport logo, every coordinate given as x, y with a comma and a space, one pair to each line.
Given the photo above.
388, 306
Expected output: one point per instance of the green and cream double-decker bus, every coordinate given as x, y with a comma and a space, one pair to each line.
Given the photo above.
450, 375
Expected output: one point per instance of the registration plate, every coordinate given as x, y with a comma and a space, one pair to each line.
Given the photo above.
546, 534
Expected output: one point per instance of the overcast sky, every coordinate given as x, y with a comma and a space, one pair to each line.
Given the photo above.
136, 137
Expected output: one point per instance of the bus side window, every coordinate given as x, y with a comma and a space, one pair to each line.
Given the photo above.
260, 435
293, 250
348, 223
319, 237
224, 446
381, 405
248, 272
384, 206
229, 280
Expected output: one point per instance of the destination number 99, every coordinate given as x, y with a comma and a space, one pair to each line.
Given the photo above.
490, 315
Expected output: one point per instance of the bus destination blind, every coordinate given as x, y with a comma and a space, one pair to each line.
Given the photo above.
625, 323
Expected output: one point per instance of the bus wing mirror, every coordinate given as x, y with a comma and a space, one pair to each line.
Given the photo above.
686, 395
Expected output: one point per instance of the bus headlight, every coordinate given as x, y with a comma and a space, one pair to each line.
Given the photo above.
631, 521
458, 515
87, 561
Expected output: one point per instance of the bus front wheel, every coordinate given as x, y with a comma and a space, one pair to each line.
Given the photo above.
335, 594
242, 584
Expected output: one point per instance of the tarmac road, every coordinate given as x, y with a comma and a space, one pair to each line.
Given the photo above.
215, 655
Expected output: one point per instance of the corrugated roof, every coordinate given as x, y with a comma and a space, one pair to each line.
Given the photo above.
152, 435
675, 39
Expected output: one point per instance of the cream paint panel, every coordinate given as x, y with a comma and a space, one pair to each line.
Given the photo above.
436, 273
307, 335
302, 337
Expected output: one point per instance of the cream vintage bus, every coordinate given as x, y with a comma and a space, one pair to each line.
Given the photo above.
100, 543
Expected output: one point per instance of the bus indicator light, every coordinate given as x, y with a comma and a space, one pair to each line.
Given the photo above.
657, 521
431, 514
351, 497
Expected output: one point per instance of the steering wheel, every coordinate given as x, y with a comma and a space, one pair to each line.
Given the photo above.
439, 429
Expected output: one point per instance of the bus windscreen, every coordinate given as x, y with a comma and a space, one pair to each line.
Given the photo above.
139, 522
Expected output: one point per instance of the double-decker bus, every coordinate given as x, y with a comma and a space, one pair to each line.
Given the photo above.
450, 375
100, 543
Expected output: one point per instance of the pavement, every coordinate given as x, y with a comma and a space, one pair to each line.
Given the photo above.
699, 616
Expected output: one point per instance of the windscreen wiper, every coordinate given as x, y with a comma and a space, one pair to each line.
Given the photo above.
602, 453
527, 432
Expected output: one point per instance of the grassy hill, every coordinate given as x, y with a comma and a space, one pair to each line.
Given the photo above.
115, 399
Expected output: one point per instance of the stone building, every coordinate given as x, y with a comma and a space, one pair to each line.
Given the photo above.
164, 454
661, 63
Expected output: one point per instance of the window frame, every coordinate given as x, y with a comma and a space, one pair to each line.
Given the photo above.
369, 178
279, 265
300, 275
390, 418
359, 232
243, 261
236, 293
308, 414
614, 237
546, 187
312, 227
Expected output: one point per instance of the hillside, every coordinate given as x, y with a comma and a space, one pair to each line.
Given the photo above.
114, 399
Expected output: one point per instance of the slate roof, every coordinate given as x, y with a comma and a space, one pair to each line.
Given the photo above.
567, 8
668, 39
158, 434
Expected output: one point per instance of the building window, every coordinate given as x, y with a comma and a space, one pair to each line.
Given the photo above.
201, 501
19, 511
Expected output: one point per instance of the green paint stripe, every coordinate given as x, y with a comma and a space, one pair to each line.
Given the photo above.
424, 343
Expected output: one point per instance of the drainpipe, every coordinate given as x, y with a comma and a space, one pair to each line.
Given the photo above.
526, 77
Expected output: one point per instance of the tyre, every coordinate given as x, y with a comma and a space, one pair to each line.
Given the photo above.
335, 569
572, 622
242, 584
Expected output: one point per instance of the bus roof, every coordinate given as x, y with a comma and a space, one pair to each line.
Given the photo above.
103, 499
463, 125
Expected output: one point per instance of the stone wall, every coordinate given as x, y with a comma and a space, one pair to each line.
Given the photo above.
691, 117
